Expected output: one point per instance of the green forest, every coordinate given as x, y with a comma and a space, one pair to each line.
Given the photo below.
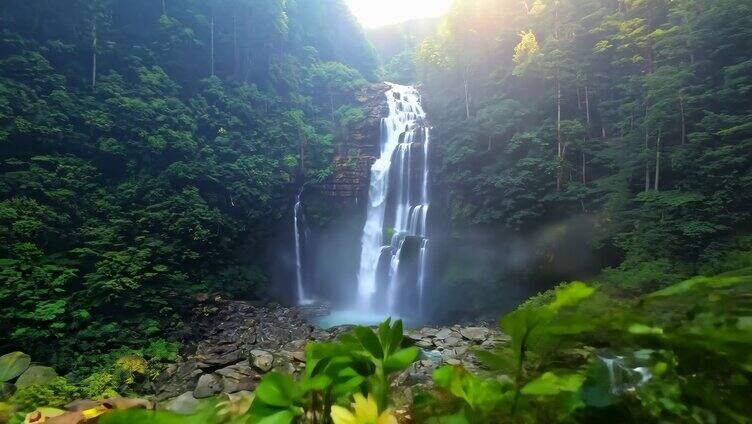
589, 176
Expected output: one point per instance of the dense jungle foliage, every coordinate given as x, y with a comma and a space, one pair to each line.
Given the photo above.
632, 113
142, 143
149, 148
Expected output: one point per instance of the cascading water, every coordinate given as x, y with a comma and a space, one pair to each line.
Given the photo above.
299, 221
397, 209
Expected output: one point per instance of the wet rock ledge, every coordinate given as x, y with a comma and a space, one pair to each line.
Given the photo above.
235, 343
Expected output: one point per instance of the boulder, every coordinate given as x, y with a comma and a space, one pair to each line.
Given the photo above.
262, 360
452, 341
184, 404
443, 333
36, 375
475, 334
424, 344
238, 378
207, 385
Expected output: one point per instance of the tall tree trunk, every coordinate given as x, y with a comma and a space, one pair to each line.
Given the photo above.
647, 148
467, 90
94, 52
587, 131
235, 49
587, 106
211, 44
558, 102
584, 179
683, 120
559, 147
658, 162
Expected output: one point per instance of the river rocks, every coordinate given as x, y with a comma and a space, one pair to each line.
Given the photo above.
238, 377
184, 404
262, 360
235, 343
443, 333
476, 334
207, 385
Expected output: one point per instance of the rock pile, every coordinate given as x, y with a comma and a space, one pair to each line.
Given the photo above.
241, 341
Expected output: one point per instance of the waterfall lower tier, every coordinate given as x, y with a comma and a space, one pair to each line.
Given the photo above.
396, 230
300, 236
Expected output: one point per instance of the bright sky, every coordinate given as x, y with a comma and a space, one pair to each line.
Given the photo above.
376, 13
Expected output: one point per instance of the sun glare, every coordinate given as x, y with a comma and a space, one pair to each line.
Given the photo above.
376, 13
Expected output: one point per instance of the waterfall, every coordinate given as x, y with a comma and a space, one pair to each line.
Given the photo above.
398, 205
298, 221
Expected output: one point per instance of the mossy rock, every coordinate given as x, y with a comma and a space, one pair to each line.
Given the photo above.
36, 375
12, 365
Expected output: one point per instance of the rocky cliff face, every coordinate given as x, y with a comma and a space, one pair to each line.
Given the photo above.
353, 161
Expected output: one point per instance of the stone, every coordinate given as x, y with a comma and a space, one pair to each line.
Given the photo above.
476, 334
443, 333
460, 350
221, 355
176, 379
413, 335
239, 377
453, 361
207, 385
36, 375
452, 341
428, 331
424, 344
299, 356
262, 360
184, 404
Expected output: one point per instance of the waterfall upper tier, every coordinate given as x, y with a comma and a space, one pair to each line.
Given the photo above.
395, 234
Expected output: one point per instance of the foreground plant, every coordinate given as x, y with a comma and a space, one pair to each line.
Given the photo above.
359, 362
365, 411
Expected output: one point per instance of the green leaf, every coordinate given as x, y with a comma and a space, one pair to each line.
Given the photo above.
282, 417
570, 294
369, 341
401, 359
550, 384
276, 389
318, 383
641, 329
12, 365
494, 360
443, 376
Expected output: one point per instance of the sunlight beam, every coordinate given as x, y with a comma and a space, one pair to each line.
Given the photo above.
372, 13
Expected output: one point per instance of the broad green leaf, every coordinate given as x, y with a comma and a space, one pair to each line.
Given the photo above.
396, 336
496, 360
12, 365
276, 389
282, 417
369, 341
318, 383
443, 376
401, 359
641, 329
570, 294
550, 384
